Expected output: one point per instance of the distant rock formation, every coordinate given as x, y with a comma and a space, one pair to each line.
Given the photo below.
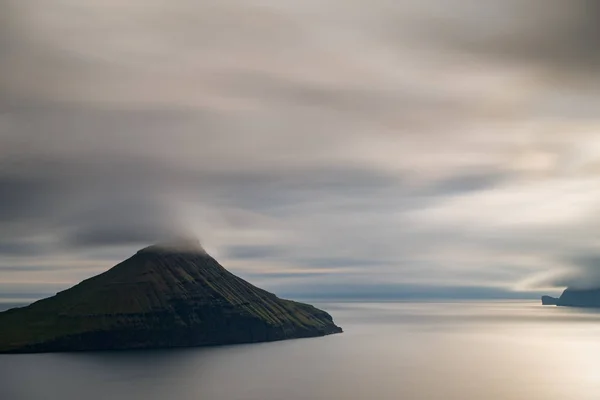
549, 301
173, 295
575, 298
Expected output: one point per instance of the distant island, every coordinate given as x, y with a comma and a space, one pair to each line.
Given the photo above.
575, 298
173, 295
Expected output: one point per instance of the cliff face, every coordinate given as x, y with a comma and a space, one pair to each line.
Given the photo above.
575, 298
580, 298
160, 297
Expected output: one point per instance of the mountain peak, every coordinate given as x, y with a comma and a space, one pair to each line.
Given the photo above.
170, 294
180, 245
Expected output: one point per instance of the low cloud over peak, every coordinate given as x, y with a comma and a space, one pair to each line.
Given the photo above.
412, 142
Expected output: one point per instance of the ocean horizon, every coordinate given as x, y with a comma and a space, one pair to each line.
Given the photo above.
496, 350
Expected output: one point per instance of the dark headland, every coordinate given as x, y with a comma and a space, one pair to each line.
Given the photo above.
575, 298
163, 296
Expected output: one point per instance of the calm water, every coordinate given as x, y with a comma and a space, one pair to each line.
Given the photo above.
462, 351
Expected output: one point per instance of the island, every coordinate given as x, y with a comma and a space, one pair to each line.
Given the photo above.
168, 295
572, 297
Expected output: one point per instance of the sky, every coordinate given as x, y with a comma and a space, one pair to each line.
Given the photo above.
331, 148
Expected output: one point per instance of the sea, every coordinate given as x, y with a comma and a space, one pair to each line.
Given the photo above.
495, 350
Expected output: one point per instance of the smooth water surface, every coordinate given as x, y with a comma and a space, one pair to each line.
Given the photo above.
462, 351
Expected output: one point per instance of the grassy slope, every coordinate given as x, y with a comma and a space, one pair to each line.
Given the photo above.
146, 284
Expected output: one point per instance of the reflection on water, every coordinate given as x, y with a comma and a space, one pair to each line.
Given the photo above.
492, 350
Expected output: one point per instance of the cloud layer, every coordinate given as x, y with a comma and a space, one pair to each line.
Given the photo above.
325, 144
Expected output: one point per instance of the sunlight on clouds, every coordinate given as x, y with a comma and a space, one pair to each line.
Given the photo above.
402, 141
533, 204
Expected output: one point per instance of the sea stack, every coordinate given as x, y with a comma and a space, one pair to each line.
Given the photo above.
549, 301
173, 295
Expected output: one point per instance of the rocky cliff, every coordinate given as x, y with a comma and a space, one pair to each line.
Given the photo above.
549, 301
575, 298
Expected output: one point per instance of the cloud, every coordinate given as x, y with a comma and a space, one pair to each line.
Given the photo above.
425, 143
383, 292
253, 252
554, 35
579, 271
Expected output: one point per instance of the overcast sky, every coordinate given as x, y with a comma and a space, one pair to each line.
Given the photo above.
322, 147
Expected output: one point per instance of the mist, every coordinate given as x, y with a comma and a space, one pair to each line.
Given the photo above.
311, 147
